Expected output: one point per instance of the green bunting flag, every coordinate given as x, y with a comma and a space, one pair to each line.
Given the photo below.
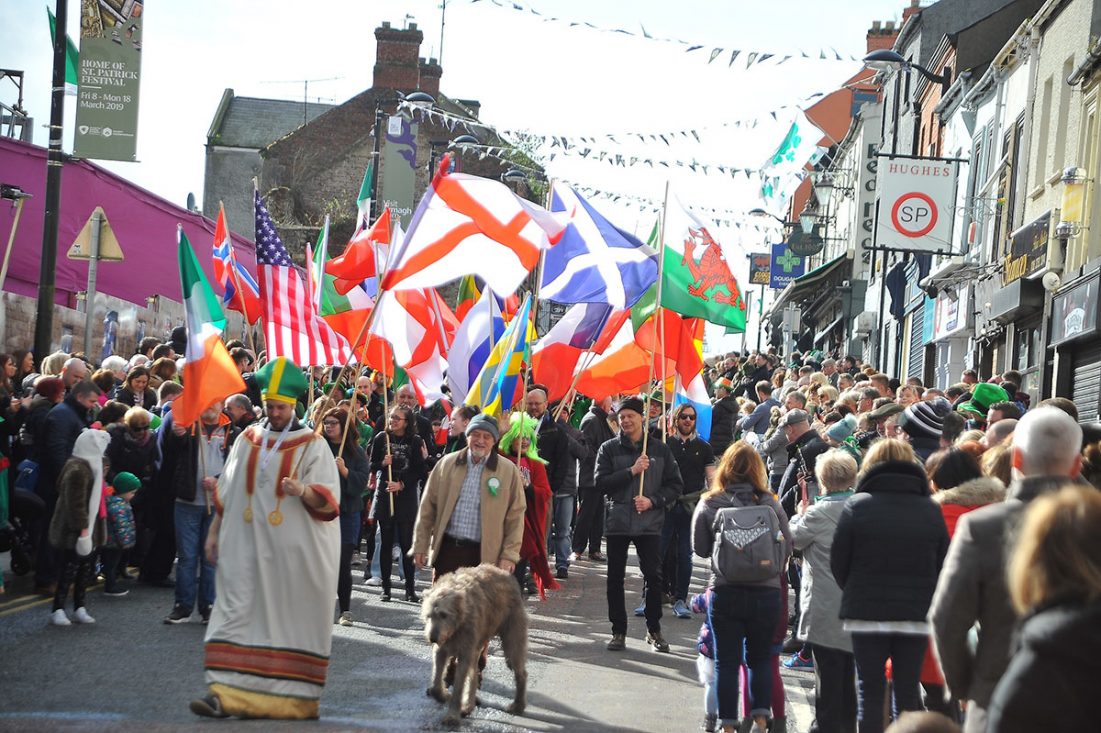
72, 56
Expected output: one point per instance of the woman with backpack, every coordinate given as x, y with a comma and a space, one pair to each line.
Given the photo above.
887, 552
740, 525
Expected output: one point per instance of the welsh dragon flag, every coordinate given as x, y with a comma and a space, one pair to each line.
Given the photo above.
697, 281
209, 374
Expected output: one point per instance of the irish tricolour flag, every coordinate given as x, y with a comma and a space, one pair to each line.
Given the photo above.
209, 374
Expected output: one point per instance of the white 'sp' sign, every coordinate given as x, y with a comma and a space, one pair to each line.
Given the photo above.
914, 214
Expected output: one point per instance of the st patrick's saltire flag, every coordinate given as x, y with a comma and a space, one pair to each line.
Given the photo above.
209, 374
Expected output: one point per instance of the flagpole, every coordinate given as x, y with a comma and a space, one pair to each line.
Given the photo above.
649, 390
237, 282
386, 432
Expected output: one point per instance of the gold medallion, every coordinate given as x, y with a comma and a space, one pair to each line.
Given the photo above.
248, 515
275, 518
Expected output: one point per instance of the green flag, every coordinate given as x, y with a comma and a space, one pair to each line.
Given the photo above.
72, 56
363, 201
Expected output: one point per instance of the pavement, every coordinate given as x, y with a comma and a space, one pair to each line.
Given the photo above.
131, 672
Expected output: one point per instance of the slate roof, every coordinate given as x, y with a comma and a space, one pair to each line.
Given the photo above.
251, 122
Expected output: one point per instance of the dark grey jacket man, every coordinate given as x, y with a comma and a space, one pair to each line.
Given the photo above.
972, 586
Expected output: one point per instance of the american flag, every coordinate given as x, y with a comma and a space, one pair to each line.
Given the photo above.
291, 324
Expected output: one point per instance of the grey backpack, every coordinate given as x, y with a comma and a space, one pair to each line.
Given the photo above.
749, 545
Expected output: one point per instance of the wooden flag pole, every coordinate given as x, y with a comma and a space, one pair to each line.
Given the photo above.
386, 433
649, 385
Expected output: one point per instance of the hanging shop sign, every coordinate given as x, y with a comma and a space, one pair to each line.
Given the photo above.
785, 266
109, 79
1028, 249
760, 266
916, 203
952, 309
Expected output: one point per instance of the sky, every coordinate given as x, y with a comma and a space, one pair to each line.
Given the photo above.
546, 77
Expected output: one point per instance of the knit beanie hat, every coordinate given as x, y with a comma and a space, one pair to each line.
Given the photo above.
842, 429
485, 422
125, 483
925, 419
634, 404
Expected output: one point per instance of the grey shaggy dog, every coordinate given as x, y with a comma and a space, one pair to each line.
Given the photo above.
461, 613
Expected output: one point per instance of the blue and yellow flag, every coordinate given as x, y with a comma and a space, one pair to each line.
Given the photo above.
494, 389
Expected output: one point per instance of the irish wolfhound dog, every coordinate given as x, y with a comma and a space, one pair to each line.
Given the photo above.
461, 613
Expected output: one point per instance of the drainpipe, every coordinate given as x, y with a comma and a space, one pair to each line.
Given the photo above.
1025, 150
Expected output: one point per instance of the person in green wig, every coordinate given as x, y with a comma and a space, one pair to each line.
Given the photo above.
518, 446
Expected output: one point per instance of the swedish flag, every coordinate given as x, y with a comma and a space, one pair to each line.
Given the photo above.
494, 389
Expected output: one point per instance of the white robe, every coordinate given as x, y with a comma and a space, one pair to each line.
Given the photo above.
270, 632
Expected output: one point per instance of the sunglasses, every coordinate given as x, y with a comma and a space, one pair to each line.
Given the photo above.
687, 417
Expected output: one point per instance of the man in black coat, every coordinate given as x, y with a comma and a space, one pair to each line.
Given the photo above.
53, 446
597, 428
724, 415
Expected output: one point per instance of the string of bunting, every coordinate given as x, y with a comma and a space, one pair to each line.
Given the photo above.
731, 218
750, 58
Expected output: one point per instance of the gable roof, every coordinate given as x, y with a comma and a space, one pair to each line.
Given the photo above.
252, 122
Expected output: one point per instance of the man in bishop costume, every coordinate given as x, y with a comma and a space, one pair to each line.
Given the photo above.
277, 549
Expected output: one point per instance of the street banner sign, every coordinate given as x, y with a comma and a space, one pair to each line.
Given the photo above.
916, 203
760, 267
109, 79
399, 168
785, 266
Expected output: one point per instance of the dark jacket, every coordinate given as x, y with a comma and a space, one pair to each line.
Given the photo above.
703, 522
889, 545
126, 396
972, 588
408, 466
614, 479
558, 446
809, 446
352, 486
126, 454
185, 449
1052, 680
54, 443
749, 381
596, 431
33, 421
724, 413
693, 456
70, 518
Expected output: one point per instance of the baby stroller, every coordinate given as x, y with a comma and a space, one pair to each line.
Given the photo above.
15, 535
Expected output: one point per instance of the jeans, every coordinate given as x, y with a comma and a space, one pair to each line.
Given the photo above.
834, 690
678, 528
349, 536
743, 620
192, 524
649, 561
561, 537
590, 521
386, 559
906, 652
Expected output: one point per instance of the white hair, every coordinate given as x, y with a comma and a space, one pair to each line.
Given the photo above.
114, 363
1047, 442
137, 360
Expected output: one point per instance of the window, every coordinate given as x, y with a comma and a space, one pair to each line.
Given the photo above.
1044, 113
1091, 161
1065, 91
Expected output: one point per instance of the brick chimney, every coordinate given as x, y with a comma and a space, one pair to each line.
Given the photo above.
430, 73
881, 35
396, 57
914, 9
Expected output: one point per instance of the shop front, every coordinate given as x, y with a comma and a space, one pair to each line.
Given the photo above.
953, 321
1077, 344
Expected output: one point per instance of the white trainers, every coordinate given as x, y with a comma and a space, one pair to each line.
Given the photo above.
58, 618
81, 616
374, 581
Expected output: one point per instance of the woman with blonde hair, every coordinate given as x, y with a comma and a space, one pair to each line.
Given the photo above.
887, 552
1055, 584
743, 615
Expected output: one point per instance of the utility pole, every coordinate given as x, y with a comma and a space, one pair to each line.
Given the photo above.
44, 315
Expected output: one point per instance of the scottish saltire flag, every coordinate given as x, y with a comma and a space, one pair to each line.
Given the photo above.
240, 290
695, 394
554, 358
481, 328
594, 261
292, 327
495, 387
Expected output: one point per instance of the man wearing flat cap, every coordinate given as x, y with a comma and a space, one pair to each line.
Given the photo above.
472, 511
277, 551
622, 468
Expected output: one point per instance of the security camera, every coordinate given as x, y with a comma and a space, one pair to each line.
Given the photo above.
1052, 281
